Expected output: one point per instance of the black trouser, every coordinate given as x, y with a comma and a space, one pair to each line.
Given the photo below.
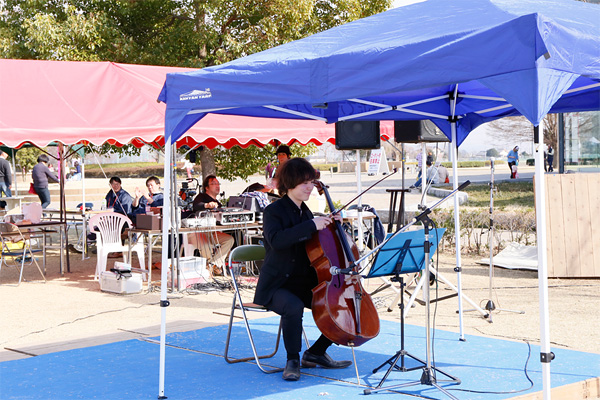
510, 165
550, 162
289, 303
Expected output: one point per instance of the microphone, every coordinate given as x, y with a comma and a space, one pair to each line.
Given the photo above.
342, 271
464, 185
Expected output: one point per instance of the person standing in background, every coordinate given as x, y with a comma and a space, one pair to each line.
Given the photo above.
41, 174
5, 175
513, 160
283, 154
550, 158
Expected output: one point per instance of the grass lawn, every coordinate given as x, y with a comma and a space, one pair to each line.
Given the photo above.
507, 194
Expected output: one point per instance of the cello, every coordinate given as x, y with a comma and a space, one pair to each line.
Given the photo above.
342, 309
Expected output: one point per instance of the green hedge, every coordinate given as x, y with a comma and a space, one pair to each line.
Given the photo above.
326, 167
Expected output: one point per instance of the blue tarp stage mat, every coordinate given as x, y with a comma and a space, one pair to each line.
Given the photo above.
195, 369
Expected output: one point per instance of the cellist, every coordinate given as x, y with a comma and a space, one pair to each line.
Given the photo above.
286, 276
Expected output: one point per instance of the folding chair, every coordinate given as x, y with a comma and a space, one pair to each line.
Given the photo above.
109, 226
11, 235
248, 253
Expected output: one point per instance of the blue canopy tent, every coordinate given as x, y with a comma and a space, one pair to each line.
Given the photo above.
459, 64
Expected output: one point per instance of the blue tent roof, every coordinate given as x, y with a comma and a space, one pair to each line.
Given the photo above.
499, 57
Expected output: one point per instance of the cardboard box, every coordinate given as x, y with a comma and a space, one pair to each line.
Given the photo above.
150, 222
110, 282
191, 270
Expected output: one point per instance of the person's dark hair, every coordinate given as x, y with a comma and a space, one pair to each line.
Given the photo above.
293, 173
2, 204
206, 182
285, 149
255, 187
43, 158
115, 179
153, 178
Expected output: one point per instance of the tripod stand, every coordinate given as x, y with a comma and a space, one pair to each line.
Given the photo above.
395, 260
490, 306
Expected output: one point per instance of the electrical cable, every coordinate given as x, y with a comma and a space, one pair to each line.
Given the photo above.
508, 391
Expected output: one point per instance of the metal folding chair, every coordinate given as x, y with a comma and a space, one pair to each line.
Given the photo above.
11, 235
248, 253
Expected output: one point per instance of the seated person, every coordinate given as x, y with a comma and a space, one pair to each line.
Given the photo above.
214, 246
443, 176
117, 198
154, 197
259, 192
432, 175
119, 201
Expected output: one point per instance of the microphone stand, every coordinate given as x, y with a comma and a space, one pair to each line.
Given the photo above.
405, 227
428, 376
490, 306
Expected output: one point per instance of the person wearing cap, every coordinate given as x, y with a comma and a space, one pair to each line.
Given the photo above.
283, 154
513, 160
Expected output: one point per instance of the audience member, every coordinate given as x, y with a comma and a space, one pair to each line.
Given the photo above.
443, 176
154, 197
117, 198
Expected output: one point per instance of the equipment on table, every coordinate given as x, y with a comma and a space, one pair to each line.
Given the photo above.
231, 216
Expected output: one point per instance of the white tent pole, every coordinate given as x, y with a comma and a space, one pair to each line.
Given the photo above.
164, 303
454, 157
540, 215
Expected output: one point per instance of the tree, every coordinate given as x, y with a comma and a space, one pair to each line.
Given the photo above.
519, 129
26, 158
187, 33
492, 153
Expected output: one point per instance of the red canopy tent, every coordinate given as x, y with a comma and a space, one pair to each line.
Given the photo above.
79, 102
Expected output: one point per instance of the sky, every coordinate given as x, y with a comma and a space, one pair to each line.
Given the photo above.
399, 3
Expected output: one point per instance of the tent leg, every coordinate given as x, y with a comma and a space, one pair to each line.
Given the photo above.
164, 303
540, 208
458, 268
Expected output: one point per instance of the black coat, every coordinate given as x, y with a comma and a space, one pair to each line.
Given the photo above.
286, 230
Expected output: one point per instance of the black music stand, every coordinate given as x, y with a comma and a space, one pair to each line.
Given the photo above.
407, 252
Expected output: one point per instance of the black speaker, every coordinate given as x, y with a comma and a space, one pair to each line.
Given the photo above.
417, 132
357, 135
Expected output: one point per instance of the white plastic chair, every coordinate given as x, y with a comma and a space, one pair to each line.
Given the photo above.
108, 227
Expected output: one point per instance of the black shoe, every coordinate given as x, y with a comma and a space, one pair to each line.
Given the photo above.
291, 372
72, 249
309, 360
